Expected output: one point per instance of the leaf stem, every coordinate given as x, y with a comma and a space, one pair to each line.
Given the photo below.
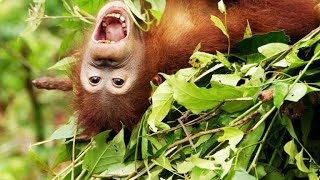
247, 112
255, 159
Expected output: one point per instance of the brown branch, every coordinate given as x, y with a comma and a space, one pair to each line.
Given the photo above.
185, 116
50, 83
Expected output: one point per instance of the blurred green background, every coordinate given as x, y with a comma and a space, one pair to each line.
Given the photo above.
28, 115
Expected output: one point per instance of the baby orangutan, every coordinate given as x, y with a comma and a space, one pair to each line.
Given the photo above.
112, 80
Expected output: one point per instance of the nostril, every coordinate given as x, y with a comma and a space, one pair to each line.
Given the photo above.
118, 82
94, 80
106, 62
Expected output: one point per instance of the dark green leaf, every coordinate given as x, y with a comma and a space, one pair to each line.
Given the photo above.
259, 40
104, 154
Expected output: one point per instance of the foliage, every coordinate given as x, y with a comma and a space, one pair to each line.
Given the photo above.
226, 117
27, 115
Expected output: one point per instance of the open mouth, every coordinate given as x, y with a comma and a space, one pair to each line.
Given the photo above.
112, 27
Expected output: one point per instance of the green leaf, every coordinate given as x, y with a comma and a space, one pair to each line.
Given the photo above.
201, 59
228, 79
184, 167
297, 92
163, 162
272, 49
218, 23
66, 131
157, 9
39, 162
134, 9
280, 92
122, 169
289, 127
251, 45
104, 154
199, 99
222, 155
291, 149
144, 133
161, 104
240, 175
294, 61
202, 139
201, 174
221, 58
300, 164
257, 76
64, 64
248, 32
203, 163
232, 134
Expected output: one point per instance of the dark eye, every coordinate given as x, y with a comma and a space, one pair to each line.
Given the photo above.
118, 82
94, 80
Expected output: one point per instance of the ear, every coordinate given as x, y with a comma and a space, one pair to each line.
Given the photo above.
156, 80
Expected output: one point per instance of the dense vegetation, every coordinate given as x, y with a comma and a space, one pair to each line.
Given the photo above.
246, 115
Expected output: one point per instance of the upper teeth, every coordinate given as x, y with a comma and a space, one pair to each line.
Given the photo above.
116, 15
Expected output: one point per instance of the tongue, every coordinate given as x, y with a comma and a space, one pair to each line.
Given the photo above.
114, 32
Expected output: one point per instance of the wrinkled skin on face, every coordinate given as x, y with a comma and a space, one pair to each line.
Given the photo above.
112, 80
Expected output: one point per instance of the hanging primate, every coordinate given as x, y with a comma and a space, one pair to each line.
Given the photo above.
112, 80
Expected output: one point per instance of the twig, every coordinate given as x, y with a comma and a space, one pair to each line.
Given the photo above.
185, 116
246, 113
50, 83
264, 117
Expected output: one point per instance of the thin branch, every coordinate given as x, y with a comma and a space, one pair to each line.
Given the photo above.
185, 116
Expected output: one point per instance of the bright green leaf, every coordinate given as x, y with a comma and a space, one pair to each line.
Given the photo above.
272, 49
39, 162
203, 163
199, 99
66, 131
184, 167
248, 32
291, 149
201, 59
297, 92
161, 104
218, 23
163, 162
280, 92
104, 154
232, 134
121, 169
300, 164
221, 58
228, 79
